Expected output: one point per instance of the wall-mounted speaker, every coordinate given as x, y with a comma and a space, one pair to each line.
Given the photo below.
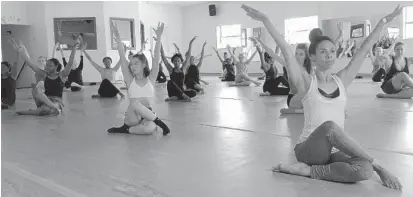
212, 10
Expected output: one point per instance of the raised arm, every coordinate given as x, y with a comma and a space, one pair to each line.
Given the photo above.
340, 35
235, 59
349, 73
188, 55
122, 56
274, 55
63, 56
176, 48
21, 49
65, 72
56, 46
298, 78
264, 65
165, 60
94, 64
388, 51
202, 55
251, 58
219, 57
157, 56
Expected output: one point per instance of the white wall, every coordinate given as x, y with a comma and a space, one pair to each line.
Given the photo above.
78, 9
14, 12
198, 22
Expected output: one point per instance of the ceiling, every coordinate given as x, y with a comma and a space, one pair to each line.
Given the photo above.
178, 3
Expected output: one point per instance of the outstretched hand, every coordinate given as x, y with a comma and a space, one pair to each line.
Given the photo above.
394, 14
194, 38
254, 40
205, 43
253, 13
159, 30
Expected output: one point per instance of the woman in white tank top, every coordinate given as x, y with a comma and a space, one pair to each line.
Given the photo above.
139, 82
324, 112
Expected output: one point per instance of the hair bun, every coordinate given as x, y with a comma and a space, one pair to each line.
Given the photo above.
314, 34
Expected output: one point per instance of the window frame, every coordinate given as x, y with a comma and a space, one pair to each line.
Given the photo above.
220, 44
288, 31
405, 22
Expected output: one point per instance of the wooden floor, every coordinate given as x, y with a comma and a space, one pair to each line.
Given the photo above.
222, 144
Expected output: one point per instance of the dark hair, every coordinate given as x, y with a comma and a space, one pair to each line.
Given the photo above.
316, 32
225, 53
307, 61
177, 55
130, 53
398, 44
141, 57
267, 57
7, 64
56, 63
105, 58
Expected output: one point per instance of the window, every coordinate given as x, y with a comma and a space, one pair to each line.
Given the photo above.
229, 35
394, 32
298, 29
126, 28
408, 22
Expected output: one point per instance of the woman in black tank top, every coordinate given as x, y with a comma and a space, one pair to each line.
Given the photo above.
175, 85
272, 82
397, 82
192, 79
48, 102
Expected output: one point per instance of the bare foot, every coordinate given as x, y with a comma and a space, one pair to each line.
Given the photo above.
388, 179
257, 84
300, 169
206, 83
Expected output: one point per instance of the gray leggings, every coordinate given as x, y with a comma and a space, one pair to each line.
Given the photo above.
351, 164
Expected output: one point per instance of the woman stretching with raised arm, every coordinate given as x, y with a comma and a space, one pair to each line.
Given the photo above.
324, 106
272, 82
52, 79
175, 85
139, 82
192, 74
241, 63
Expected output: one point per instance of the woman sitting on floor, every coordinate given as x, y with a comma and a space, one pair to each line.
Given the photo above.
241, 63
106, 88
175, 85
324, 151
192, 80
139, 82
8, 84
50, 101
397, 82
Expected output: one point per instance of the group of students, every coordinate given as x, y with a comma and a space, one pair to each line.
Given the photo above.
323, 150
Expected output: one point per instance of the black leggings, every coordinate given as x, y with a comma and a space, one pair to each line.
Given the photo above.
174, 90
285, 74
378, 76
107, 89
290, 96
271, 86
161, 77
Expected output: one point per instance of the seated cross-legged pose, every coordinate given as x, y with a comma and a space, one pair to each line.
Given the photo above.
397, 82
8, 84
192, 74
175, 85
241, 63
379, 57
75, 79
139, 118
106, 88
272, 82
324, 107
50, 101
228, 73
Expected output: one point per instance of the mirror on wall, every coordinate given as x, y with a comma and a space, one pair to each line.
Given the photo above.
67, 31
357, 29
126, 27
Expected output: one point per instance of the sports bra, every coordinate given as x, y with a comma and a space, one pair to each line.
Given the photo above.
136, 91
393, 70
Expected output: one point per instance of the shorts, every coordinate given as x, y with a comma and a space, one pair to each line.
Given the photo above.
388, 88
50, 111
